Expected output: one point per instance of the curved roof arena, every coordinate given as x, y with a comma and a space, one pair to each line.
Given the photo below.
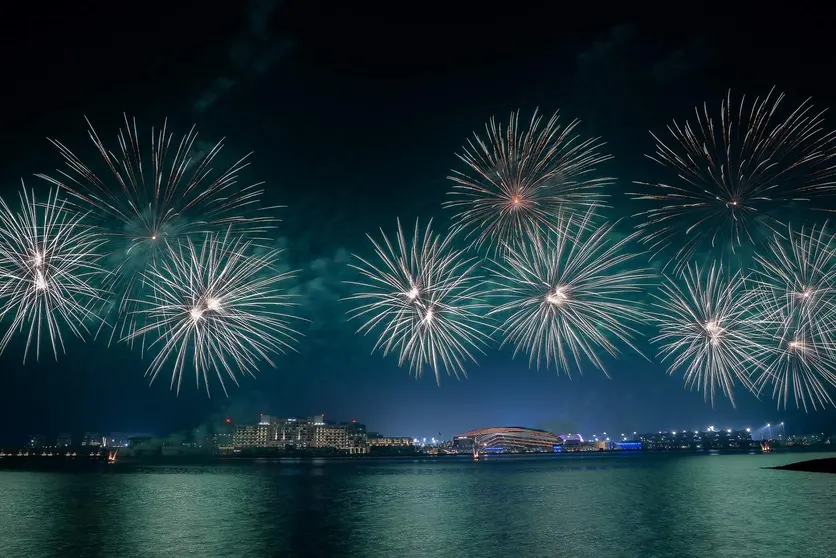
513, 436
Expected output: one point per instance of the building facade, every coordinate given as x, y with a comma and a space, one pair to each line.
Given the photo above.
389, 441
91, 439
298, 434
511, 439
694, 439
250, 436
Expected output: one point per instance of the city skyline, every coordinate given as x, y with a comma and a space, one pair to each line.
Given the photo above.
314, 433
120, 438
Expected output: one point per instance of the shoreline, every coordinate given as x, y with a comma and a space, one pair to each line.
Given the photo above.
60, 462
822, 465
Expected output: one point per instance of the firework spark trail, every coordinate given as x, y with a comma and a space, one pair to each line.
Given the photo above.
519, 179
735, 175
218, 305
797, 360
150, 201
421, 296
795, 284
705, 328
566, 294
48, 268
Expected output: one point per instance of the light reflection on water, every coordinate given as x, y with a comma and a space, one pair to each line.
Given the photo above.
582, 505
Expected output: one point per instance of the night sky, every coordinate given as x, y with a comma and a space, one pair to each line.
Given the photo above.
355, 121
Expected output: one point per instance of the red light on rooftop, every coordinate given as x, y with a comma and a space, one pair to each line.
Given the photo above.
352, 420
228, 420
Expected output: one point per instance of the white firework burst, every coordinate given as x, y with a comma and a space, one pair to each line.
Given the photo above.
570, 293
421, 297
800, 362
217, 306
734, 178
520, 178
48, 272
795, 283
149, 200
706, 331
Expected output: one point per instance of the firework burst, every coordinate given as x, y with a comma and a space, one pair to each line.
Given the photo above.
568, 294
800, 362
218, 305
148, 201
735, 175
420, 296
48, 266
795, 283
705, 330
520, 178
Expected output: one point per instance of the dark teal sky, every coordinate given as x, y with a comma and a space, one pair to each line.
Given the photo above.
355, 121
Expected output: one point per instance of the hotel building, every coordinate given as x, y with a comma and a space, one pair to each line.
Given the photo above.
298, 434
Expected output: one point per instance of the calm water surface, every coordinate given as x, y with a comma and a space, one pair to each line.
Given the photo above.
580, 505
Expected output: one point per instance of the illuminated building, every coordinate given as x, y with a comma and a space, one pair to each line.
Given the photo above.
37, 441
117, 440
389, 441
91, 439
222, 439
292, 433
512, 439
391, 445
64, 441
346, 436
808, 439
222, 442
248, 436
697, 440
357, 437
330, 436
298, 434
